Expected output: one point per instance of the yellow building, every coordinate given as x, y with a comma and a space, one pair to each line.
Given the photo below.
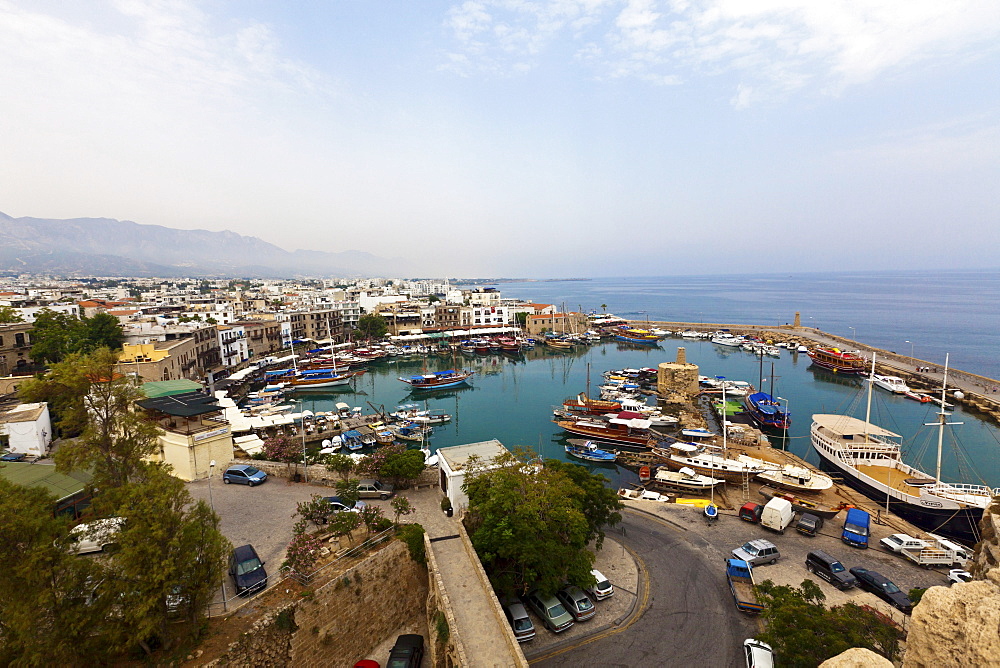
193, 432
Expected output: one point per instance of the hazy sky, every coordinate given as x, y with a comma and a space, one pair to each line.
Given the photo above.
517, 138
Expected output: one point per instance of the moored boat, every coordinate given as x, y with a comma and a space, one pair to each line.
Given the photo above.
710, 462
837, 360
766, 411
588, 450
893, 384
626, 431
685, 479
438, 379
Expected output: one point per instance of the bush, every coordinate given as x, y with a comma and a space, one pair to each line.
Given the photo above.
446, 504
413, 536
441, 626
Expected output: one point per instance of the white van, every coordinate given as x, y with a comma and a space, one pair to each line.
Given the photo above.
95, 536
777, 514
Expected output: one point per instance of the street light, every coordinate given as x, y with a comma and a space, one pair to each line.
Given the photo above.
854, 333
302, 425
911, 349
211, 501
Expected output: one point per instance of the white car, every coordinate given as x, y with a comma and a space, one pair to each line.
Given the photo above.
95, 536
602, 589
758, 654
959, 575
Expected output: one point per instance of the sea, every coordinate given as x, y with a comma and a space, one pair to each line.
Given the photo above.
511, 397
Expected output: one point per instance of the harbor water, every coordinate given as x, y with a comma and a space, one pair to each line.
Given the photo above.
511, 399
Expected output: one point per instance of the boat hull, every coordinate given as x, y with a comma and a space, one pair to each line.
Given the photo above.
960, 524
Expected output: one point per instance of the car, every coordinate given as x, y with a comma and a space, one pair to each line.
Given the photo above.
578, 604
339, 505
407, 652
957, 575
809, 524
244, 474
602, 588
882, 587
96, 536
758, 654
373, 489
520, 622
12, 457
831, 570
553, 614
756, 552
247, 570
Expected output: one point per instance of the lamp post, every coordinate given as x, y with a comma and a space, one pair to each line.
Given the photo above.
302, 426
211, 502
911, 349
854, 333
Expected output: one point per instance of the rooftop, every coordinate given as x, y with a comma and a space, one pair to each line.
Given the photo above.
61, 485
458, 456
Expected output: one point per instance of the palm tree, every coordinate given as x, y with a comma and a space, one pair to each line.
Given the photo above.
604, 307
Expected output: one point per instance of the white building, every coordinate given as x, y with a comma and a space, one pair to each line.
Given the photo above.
495, 316
26, 428
453, 464
233, 343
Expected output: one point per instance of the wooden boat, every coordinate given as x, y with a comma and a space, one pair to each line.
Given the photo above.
709, 462
766, 411
837, 360
318, 379
438, 379
685, 479
632, 431
409, 432
804, 505
791, 477
588, 451
697, 433
581, 403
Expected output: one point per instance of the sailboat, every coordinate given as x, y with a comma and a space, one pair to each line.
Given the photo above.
869, 458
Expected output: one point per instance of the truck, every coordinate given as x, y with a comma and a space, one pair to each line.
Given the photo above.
777, 514
740, 576
898, 542
933, 555
856, 528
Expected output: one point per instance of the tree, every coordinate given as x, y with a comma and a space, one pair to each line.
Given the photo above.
10, 314
63, 388
56, 335
372, 517
283, 449
604, 307
316, 510
521, 318
803, 632
394, 462
343, 524
598, 503
347, 489
372, 326
116, 439
103, 331
527, 529
401, 506
303, 552
340, 463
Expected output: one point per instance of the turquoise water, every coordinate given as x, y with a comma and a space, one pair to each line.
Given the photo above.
511, 399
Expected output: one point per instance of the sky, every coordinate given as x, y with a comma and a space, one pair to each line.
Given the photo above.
516, 138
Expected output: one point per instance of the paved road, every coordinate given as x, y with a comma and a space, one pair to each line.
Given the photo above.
691, 619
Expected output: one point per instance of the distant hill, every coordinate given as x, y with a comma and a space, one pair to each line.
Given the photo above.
108, 247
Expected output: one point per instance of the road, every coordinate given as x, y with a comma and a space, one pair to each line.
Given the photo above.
691, 619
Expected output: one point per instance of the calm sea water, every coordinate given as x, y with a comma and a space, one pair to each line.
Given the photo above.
511, 399
931, 313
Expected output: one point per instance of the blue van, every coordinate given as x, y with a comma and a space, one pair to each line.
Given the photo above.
856, 528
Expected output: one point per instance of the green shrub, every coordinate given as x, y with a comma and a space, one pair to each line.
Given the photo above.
286, 621
441, 626
445, 504
413, 536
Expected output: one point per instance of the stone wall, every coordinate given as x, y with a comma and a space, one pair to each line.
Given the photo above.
341, 621
317, 474
451, 653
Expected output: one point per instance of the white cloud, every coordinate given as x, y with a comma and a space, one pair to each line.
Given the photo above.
773, 46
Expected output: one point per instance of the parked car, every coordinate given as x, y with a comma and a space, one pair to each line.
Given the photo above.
339, 505
373, 489
578, 604
552, 613
809, 524
959, 575
756, 552
751, 512
12, 457
602, 588
882, 587
898, 542
244, 474
758, 654
96, 536
407, 652
520, 622
247, 570
831, 570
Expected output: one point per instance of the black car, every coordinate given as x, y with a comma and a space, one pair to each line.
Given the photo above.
884, 588
407, 652
247, 570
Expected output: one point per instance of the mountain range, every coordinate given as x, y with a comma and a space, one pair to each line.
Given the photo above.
108, 247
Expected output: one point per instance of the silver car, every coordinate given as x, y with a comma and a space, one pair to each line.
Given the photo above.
757, 552
552, 613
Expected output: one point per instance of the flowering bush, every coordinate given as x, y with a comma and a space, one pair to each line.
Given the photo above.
303, 552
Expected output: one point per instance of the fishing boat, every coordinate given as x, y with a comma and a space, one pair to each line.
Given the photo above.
837, 360
409, 432
766, 411
869, 458
319, 379
640, 336
804, 505
583, 404
588, 451
630, 430
893, 384
352, 439
684, 479
697, 433
438, 380
789, 476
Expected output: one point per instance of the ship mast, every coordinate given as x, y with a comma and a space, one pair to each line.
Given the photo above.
942, 419
868, 409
